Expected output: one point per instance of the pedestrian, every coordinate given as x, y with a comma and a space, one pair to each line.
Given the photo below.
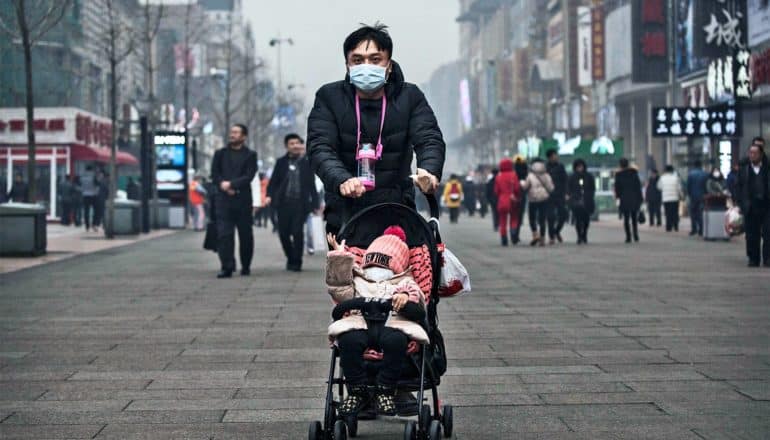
670, 186
375, 105
453, 197
133, 189
232, 170
696, 189
259, 196
293, 195
753, 194
469, 193
628, 191
310, 234
100, 200
481, 196
522, 170
77, 201
732, 180
581, 188
489, 193
539, 187
558, 200
19, 192
64, 192
197, 196
90, 192
508, 192
653, 197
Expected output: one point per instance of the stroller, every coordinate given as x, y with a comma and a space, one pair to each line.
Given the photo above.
428, 363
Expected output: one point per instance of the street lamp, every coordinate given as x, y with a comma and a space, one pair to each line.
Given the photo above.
277, 43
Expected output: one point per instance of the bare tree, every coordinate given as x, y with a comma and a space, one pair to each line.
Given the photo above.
33, 20
118, 45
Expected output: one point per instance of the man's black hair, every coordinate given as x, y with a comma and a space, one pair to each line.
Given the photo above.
376, 33
669, 168
292, 136
550, 152
697, 163
758, 140
244, 130
623, 162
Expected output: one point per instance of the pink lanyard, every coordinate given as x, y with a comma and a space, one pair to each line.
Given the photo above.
382, 125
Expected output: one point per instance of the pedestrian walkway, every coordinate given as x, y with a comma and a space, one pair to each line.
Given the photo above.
665, 339
68, 241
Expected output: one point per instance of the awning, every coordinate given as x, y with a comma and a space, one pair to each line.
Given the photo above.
96, 154
547, 70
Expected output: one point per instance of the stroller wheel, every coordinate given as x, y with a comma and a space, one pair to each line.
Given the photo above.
410, 430
352, 423
315, 432
446, 420
434, 433
425, 418
340, 430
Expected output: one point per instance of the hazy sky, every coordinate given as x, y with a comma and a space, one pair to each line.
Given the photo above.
425, 35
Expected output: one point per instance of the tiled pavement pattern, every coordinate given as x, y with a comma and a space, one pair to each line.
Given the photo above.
667, 339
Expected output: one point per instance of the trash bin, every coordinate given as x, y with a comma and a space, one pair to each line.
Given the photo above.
159, 216
22, 229
127, 217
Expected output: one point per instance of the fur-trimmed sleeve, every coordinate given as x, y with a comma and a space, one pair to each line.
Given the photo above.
339, 275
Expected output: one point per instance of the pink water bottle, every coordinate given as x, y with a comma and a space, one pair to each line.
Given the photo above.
366, 157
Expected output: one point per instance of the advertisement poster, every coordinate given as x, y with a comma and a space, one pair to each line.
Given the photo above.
171, 164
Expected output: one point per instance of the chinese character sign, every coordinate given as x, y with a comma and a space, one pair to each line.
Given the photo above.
650, 48
721, 120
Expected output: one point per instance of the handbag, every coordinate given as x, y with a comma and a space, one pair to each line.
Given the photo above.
211, 240
454, 277
641, 218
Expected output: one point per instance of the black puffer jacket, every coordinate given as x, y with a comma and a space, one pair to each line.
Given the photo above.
410, 126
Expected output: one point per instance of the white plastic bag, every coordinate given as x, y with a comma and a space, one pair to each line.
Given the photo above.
318, 232
454, 277
734, 221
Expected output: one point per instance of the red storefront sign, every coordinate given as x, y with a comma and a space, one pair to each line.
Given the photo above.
90, 131
597, 42
648, 22
38, 124
760, 68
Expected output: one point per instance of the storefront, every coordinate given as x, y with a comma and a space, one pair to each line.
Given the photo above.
68, 139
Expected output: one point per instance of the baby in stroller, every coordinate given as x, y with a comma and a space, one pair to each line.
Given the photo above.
386, 317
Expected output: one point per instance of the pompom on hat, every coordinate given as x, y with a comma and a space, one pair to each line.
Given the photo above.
388, 251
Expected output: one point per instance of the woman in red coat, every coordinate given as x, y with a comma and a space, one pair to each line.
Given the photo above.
508, 192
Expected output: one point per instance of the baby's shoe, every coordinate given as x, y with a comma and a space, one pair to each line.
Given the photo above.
383, 401
356, 399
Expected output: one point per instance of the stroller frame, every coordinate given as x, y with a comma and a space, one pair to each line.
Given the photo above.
431, 422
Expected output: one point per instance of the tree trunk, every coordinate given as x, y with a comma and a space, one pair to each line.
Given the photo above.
109, 230
30, 103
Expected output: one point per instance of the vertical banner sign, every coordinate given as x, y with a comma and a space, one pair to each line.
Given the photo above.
650, 49
171, 165
584, 47
742, 74
597, 42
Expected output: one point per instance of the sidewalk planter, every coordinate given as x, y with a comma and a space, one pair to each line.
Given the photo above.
127, 217
22, 229
159, 216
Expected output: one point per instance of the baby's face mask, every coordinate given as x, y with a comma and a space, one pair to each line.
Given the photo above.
375, 273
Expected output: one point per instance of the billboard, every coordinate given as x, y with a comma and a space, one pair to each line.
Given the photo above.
649, 24
720, 120
585, 77
171, 164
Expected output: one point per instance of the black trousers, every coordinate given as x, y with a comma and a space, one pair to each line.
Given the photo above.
653, 208
495, 219
454, 214
631, 221
89, 205
758, 232
291, 222
390, 341
66, 213
231, 214
672, 215
582, 222
557, 218
696, 217
539, 214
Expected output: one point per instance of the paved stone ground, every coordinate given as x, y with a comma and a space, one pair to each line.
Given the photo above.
667, 339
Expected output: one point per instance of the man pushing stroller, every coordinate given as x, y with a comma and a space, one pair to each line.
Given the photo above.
384, 318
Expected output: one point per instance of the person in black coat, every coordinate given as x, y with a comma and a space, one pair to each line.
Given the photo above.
753, 197
376, 84
558, 215
469, 190
489, 190
522, 171
628, 190
581, 188
654, 198
292, 193
232, 170
19, 190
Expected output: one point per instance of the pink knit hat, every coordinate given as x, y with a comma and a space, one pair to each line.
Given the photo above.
388, 251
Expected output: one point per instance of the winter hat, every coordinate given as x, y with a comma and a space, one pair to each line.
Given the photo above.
388, 251
506, 164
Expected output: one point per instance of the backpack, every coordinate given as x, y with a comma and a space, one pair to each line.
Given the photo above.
454, 192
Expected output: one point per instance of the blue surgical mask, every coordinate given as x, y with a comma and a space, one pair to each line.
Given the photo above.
368, 77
